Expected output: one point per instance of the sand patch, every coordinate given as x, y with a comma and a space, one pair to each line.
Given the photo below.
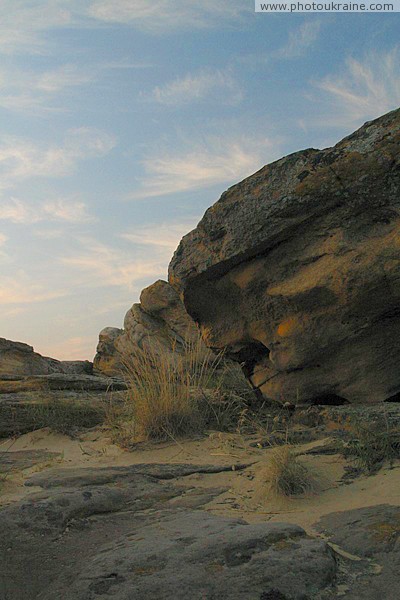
248, 494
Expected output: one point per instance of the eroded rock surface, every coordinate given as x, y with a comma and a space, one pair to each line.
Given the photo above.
135, 533
371, 535
296, 271
107, 361
68, 411
20, 360
196, 555
159, 321
61, 381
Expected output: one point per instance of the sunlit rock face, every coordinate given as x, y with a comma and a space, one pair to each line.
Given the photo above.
107, 361
19, 360
295, 271
159, 322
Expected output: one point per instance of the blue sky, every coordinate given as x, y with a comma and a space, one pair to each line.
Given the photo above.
121, 121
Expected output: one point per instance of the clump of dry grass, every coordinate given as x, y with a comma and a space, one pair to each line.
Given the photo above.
176, 394
163, 400
373, 444
286, 475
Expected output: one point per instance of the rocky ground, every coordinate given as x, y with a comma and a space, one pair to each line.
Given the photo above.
82, 519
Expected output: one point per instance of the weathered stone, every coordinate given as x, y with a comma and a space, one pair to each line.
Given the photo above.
53, 478
107, 362
197, 555
128, 533
62, 381
20, 360
371, 537
296, 271
66, 411
159, 322
19, 460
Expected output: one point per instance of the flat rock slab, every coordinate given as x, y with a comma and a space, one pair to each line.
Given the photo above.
102, 476
62, 381
196, 555
27, 411
135, 533
24, 459
373, 535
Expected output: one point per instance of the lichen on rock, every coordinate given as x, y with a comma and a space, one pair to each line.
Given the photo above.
295, 271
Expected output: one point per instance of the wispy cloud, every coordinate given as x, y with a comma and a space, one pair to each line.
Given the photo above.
217, 160
159, 16
210, 84
299, 40
62, 209
13, 312
42, 92
5, 258
164, 235
23, 22
365, 89
21, 288
23, 159
68, 75
104, 265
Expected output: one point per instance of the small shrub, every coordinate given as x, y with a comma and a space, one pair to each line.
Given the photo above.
373, 445
286, 475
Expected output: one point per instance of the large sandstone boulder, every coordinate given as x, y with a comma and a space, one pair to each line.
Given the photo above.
20, 360
160, 321
296, 272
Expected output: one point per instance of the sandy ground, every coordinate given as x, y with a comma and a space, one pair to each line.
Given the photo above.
248, 494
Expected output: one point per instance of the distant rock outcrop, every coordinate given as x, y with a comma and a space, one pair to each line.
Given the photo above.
160, 321
20, 360
296, 271
107, 360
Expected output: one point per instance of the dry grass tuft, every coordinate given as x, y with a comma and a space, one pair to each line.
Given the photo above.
286, 475
373, 444
162, 401
175, 394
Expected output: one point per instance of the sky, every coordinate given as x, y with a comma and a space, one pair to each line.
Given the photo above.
122, 121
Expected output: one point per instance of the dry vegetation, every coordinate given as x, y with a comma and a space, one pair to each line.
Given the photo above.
176, 395
373, 444
286, 475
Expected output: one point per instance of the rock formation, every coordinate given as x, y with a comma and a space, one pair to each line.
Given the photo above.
295, 271
160, 321
108, 360
20, 360
22, 369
